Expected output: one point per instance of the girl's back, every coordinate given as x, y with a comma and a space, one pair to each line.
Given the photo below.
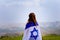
32, 29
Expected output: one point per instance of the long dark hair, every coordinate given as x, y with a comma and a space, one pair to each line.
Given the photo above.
32, 18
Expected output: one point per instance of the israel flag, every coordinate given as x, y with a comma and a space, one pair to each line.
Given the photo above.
32, 32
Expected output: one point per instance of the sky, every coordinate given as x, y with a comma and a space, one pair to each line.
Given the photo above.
17, 11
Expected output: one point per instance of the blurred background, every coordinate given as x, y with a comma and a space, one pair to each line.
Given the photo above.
14, 15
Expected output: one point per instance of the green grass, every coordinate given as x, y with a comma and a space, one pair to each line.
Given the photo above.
11, 38
47, 37
51, 37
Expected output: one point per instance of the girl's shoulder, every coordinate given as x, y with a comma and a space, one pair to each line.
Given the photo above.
30, 24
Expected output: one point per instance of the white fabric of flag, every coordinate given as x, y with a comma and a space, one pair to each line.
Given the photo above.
32, 33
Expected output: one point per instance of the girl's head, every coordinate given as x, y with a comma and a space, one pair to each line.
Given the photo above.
32, 18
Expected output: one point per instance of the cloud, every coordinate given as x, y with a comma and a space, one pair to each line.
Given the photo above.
16, 9
51, 9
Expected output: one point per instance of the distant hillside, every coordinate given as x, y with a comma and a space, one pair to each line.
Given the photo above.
50, 28
46, 28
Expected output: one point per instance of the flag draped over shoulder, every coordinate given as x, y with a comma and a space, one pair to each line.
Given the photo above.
32, 32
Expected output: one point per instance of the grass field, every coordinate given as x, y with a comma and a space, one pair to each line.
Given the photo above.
48, 37
51, 37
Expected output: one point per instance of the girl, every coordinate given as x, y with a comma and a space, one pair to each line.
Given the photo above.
32, 29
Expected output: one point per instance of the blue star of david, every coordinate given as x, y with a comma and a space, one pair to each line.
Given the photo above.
34, 36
